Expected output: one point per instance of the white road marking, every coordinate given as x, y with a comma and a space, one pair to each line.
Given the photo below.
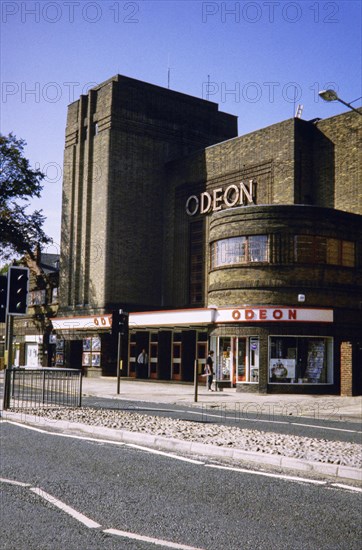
145, 409
236, 419
248, 419
162, 453
13, 482
326, 428
159, 542
58, 434
349, 487
93, 524
96, 440
176, 457
65, 508
266, 474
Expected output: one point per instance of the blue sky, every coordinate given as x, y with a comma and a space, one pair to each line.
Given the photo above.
262, 59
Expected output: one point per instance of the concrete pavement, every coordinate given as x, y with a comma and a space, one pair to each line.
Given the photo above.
154, 391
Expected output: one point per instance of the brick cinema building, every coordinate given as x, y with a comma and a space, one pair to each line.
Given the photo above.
250, 246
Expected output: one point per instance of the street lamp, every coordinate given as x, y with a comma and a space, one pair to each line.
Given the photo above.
330, 95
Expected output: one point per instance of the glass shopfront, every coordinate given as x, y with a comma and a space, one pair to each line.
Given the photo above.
237, 359
300, 360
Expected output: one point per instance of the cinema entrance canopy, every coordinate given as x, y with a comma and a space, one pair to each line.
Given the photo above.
257, 349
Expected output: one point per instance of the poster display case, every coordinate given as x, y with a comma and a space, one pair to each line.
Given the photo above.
59, 353
91, 356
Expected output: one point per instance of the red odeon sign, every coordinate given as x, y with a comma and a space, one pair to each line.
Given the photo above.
280, 314
264, 314
82, 323
102, 321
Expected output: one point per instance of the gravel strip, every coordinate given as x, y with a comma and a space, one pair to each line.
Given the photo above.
319, 450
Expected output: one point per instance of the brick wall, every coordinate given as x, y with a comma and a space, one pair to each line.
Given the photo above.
346, 368
118, 139
338, 162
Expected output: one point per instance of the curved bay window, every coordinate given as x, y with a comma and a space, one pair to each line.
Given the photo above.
303, 249
300, 360
239, 250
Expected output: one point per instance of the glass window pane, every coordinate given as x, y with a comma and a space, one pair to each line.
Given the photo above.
239, 250
258, 248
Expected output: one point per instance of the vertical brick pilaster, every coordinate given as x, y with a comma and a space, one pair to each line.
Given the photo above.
346, 369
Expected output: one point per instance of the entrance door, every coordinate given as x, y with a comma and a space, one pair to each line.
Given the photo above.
225, 360
241, 366
237, 359
177, 356
153, 355
254, 360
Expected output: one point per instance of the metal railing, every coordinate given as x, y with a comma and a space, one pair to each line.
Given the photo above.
26, 387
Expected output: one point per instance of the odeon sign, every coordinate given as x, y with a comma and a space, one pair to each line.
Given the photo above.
233, 195
81, 323
264, 314
276, 314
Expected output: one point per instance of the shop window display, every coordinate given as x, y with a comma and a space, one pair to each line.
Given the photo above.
300, 360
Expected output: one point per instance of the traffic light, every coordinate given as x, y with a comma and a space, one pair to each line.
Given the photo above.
3, 297
18, 282
119, 323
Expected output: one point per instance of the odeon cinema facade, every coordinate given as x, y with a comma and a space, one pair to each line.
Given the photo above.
251, 246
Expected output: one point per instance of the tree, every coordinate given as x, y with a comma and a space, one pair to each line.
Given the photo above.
20, 231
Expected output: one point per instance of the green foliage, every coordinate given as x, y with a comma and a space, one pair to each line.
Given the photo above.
20, 231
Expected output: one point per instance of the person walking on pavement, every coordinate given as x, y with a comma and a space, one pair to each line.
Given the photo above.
210, 370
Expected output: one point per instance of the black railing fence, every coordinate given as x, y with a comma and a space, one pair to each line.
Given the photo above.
26, 387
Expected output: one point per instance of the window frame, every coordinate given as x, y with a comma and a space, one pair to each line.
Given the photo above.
244, 253
309, 365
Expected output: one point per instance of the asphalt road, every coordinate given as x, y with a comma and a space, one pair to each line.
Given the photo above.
250, 418
178, 503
